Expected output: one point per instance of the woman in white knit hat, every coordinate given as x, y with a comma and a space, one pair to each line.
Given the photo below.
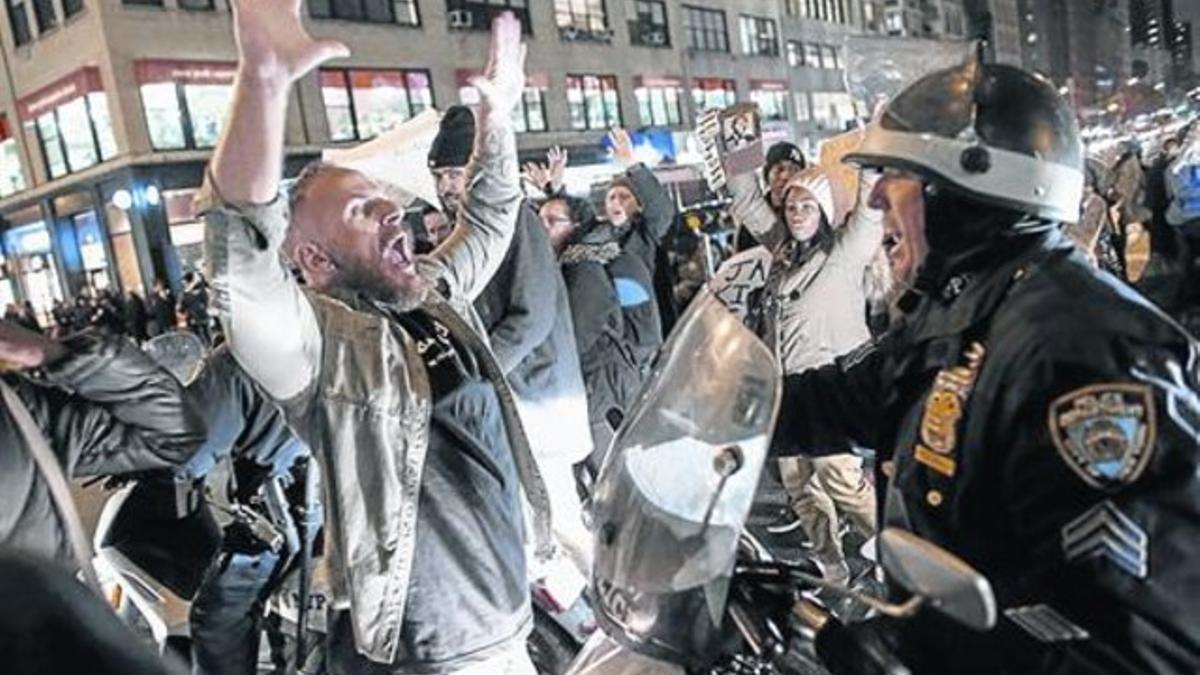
813, 309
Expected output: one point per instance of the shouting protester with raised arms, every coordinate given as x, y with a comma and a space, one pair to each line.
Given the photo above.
382, 366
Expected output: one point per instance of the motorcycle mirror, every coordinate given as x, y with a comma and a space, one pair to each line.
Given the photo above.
947, 582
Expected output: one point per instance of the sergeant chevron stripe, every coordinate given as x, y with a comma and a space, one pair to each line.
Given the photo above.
1103, 531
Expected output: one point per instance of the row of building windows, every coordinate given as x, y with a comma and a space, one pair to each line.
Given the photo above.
813, 55
833, 11
43, 15
360, 104
706, 29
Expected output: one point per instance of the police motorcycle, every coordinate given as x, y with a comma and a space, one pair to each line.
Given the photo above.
158, 535
679, 587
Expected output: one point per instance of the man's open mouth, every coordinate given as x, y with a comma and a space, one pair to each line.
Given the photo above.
397, 252
891, 242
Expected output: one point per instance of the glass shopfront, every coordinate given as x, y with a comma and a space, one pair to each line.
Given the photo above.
31, 253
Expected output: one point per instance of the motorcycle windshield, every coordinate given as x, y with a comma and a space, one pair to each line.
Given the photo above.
678, 482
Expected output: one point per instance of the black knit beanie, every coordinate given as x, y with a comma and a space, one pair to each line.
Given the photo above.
455, 139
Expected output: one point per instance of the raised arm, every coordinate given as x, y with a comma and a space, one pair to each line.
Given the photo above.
864, 229
751, 210
108, 408
468, 259
658, 210
270, 325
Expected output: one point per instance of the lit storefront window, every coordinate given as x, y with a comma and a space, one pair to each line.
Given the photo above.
75, 127
52, 149
12, 179
187, 230
659, 101
185, 101
31, 248
120, 236
72, 121
91, 250
361, 104
164, 116
771, 98
593, 101
713, 94
529, 115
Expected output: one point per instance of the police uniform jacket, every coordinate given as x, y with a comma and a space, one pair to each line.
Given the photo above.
1040, 420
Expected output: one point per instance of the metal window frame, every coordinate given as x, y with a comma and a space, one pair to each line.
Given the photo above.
606, 123
179, 101
37, 15
62, 143
581, 22
541, 105
349, 88
640, 21
705, 30
24, 36
662, 92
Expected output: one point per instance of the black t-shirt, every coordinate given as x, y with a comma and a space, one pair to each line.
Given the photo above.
446, 362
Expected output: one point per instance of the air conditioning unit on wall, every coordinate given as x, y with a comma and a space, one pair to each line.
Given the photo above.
459, 18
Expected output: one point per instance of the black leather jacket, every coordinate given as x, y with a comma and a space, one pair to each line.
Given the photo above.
106, 408
1041, 421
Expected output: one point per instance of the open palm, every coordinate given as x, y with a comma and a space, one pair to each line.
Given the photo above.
503, 81
273, 43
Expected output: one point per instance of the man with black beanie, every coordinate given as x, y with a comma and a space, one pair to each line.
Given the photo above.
784, 161
526, 312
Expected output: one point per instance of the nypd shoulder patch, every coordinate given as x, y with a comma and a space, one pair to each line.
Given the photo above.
1105, 432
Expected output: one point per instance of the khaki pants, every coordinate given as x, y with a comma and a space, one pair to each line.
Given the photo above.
818, 488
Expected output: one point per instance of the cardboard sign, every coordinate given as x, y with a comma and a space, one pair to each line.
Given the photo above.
732, 141
739, 276
398, 159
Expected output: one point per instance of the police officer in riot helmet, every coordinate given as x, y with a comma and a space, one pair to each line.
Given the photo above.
1033, 416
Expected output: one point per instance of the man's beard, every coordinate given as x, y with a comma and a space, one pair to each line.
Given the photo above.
371, 284
450, 205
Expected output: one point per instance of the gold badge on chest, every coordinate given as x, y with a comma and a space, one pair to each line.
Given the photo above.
943, 410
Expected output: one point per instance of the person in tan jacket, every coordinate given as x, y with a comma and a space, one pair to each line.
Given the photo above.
813, 309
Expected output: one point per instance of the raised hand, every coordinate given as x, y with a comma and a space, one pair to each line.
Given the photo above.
503, 81
273, 45
538, 175
557, 157
622, 147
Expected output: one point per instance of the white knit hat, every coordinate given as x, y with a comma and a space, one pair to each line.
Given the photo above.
816, 182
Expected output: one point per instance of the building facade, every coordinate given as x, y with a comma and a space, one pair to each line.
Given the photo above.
1084, 48
1161, 36
110, 108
